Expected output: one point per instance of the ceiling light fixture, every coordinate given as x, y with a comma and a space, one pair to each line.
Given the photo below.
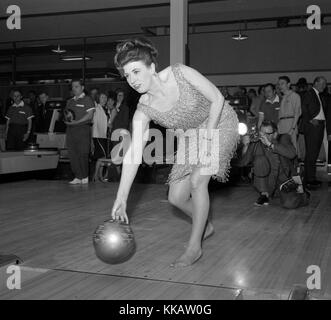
58, 50
240, 36
74, 58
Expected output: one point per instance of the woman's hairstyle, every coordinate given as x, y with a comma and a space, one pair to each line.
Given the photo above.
259, 91
138, 49
112, 95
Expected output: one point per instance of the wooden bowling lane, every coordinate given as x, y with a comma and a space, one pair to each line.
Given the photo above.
71, 285
262, 250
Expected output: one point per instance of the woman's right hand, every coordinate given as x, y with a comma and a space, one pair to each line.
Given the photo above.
119, 211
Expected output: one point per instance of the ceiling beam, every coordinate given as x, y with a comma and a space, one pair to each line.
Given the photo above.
155, 4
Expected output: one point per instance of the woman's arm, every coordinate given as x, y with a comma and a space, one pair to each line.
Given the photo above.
131, 164
131, 161
210, 91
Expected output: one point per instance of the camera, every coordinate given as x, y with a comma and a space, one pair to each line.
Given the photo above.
254, 135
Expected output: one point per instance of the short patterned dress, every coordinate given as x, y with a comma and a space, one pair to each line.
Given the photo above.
190, 114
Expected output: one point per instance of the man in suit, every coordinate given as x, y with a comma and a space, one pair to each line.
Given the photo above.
326, 100
313, 120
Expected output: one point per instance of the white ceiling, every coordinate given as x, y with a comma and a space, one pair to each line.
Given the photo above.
46, 21
73, 18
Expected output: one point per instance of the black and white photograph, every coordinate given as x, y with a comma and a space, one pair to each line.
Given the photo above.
174, 152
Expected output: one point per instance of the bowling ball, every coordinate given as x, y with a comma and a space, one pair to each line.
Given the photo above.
32, 146
69, 115
114, 242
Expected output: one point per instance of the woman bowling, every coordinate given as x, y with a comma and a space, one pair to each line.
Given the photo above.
178, 97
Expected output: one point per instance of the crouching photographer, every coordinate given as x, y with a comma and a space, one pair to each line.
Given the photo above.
272, 157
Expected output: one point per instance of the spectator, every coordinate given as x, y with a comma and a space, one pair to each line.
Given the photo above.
242, 91
225, 93
272, 160
313, 117
43, 118
257, 101
111, 106
290, 110
2, 131
33, 102
327, 101
269, 109
99, 128
302, 88
19, 123
294, 87
94, 94
9, 100
121, 120
78, 133
252, 93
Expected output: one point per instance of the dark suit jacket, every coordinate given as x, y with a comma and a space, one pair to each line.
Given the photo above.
259, 156
326, 100
310, 106
122, 120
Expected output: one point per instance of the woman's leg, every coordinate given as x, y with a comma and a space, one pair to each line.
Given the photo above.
180, 197
200, 208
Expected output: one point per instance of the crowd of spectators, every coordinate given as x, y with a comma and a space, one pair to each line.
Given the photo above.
292, 122
21, 117
301, 111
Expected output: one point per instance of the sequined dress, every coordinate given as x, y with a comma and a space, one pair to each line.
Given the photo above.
190, 113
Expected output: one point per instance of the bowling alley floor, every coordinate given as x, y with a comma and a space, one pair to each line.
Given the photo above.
263, 251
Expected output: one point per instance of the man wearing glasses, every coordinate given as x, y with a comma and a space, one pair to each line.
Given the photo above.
272, 158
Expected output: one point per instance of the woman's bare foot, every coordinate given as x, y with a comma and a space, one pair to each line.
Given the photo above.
209, 231
189, 257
